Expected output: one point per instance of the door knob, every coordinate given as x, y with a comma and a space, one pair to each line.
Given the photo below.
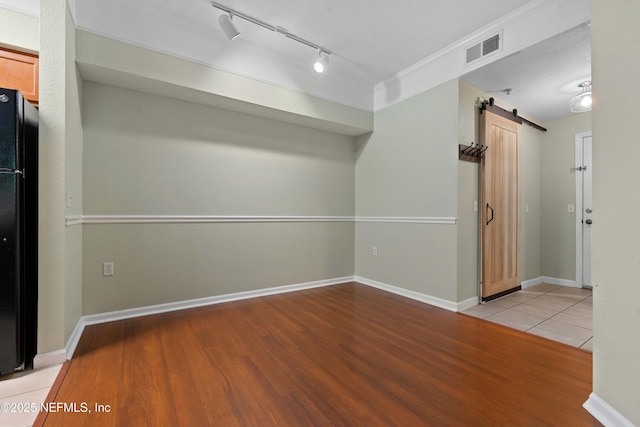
589, 222
588, 210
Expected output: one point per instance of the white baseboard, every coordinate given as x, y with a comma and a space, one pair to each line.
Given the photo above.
468, 303
111, 316
551, 280
93, 319
418, 296
560, 282
604, 413
532, 282
44, 360
73, 340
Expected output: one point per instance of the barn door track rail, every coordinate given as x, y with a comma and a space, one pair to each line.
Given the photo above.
511, 115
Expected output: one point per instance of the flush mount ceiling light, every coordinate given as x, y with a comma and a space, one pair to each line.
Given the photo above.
228, 27
320, 65
321, 62
582, 102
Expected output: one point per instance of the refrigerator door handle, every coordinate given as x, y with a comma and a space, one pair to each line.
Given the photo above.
14, 171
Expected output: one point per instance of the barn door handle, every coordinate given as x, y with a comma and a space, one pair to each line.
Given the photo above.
490, 219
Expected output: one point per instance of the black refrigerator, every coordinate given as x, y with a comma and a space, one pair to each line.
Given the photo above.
18, 231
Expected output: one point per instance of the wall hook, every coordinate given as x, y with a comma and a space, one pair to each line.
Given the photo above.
472, 152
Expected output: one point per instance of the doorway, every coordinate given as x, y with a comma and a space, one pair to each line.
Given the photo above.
584, 209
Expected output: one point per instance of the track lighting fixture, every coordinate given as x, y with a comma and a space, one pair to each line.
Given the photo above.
230, 30
582, 102
321, 62
228, 27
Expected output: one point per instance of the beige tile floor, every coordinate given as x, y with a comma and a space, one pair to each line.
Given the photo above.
22, 392
559, 313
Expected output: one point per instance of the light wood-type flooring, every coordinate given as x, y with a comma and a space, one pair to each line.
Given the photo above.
343, 355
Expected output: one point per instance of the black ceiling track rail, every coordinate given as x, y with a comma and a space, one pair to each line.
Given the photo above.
511, 115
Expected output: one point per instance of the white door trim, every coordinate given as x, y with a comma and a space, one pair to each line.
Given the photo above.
579, 205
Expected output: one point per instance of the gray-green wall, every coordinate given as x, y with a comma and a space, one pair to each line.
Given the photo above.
532, 203
399, 181
60, 247
616, 235
156, 156
406, 171
409, 168
468, 193
559, 190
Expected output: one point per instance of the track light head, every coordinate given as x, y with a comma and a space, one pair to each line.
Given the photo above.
230, 30
321, 62
228, 27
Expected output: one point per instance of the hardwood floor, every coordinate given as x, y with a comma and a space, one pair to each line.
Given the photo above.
344, 355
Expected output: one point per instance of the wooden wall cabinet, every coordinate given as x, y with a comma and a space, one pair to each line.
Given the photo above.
20, 71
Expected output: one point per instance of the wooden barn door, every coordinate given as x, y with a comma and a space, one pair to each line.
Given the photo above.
500, 213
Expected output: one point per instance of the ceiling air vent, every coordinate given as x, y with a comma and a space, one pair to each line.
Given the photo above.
474, 52
484, 48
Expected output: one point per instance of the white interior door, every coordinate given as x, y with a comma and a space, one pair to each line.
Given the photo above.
584, 209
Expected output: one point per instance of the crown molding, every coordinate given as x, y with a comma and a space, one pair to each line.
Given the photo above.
26, 7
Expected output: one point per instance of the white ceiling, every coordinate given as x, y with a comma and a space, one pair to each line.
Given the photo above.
372, 42
543, 77
381, 37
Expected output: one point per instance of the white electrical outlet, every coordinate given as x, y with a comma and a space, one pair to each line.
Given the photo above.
375, 251
107, 268
571, 208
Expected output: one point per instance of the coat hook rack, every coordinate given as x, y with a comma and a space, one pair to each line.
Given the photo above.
471, 153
